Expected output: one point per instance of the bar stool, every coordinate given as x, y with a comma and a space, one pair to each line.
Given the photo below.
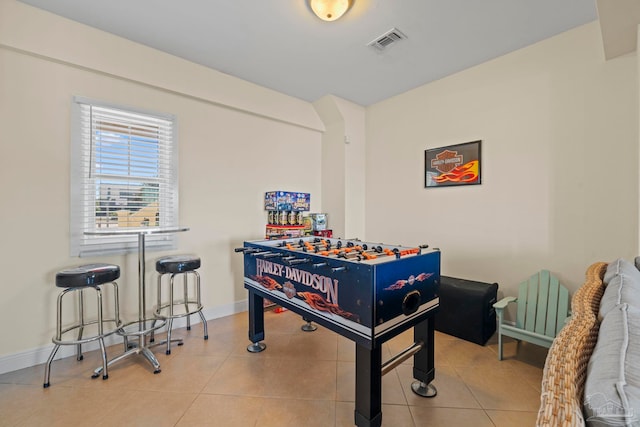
185, 265
76, 281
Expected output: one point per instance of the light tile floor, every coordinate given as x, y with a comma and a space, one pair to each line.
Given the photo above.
303, 379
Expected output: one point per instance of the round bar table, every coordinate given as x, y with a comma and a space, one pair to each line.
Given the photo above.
143, 326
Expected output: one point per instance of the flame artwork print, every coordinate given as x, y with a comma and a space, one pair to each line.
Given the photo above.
317, 302
453, 165
465, 173
399, 284
267, 282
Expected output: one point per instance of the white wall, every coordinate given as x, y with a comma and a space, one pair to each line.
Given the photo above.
343, 165
638, 95
559, 128
236, 141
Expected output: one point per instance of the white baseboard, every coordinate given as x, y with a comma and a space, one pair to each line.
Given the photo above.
37, 356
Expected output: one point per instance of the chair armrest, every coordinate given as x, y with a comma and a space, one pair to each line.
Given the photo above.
499, 307
504, 302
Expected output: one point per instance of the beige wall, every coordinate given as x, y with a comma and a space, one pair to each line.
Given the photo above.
638, 95
560, 162
236, 141
343, 165
559, 128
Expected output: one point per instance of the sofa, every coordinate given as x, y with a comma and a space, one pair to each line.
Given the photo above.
592, 370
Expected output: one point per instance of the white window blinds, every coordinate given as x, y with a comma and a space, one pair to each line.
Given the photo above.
124, 174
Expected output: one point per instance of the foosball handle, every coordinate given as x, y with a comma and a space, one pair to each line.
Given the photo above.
246, 250
272, 255
298, 261
258, 252
320, 264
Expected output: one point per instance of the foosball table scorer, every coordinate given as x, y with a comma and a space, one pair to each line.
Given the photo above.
366, 292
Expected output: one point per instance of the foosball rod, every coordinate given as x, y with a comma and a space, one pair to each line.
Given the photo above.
303, 243
349, 252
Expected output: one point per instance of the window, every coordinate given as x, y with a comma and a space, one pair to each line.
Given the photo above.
124, 174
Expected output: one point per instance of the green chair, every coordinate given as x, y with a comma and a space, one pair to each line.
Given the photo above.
542, 310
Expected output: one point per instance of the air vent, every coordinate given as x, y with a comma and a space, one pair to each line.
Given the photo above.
387, 39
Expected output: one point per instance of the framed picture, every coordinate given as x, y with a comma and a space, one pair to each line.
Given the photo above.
458, 164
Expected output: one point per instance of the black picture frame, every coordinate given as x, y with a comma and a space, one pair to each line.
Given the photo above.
453, 165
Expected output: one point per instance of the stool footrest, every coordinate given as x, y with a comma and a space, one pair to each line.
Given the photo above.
181, 312
142, 327
94, 336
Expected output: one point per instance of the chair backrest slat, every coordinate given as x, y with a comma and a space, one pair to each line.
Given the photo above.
523, 294
544, 304
532, 302
552, 316
563, 308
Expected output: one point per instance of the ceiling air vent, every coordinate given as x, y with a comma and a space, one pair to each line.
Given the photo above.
387, 39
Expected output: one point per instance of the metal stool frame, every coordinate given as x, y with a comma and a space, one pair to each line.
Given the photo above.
186, 301
82, 322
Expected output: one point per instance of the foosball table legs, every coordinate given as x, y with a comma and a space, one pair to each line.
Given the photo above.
369, 366
370, 369
308, 327
423, 361
256, 323
368, 412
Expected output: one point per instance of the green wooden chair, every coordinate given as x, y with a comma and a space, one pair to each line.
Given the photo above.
542, 310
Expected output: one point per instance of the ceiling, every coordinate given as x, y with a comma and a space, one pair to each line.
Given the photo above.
280, 44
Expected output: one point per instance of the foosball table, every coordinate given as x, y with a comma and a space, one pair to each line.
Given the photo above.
366, 292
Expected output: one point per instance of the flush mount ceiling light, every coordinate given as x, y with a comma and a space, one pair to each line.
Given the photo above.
330, 10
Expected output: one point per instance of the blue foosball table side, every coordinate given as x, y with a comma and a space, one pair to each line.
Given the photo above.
367, 299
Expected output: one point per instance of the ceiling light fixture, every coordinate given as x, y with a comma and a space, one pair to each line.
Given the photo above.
330, 10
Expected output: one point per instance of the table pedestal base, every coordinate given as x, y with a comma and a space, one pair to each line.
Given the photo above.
141, 330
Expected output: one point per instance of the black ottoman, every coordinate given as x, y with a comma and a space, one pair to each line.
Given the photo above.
466, 309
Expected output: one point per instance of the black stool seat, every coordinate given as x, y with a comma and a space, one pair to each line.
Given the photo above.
87, 275
177, 264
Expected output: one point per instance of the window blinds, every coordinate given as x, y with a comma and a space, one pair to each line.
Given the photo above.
125, 176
